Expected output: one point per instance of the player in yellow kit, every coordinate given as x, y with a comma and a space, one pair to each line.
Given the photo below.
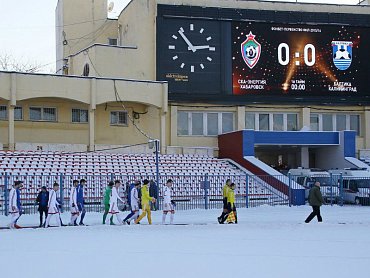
145, 203
225, 190
232, 218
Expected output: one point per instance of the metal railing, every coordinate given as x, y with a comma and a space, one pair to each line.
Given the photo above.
192, 191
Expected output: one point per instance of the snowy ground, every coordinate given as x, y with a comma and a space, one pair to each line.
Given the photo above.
268, 242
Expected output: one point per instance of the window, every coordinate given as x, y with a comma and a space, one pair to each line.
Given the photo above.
292, 122
35, 114
327, 122
204, 123
3, 112
227, 122
43, 114
80, 116
335, 122
118, 118
354, 123
212, 123
341, 122
278, 122
197, 124
314, 122
264, 123
112, 41
18, 113
271, 121
250, 121
183, 123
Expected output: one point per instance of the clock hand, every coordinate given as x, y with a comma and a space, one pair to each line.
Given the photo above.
190, 46
198, 47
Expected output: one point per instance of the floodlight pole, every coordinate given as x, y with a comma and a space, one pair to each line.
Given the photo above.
157, 161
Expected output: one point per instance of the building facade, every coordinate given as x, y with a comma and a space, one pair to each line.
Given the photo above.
189, 72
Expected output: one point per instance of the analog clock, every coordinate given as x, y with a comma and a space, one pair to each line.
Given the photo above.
191, 47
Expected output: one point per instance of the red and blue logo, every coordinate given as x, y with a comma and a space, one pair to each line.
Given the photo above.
251, 51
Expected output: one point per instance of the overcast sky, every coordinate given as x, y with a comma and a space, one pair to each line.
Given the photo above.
27, 29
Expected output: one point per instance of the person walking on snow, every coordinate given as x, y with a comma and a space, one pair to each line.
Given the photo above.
168, 204
231, 209
73, 203
107, 193
134, 203
14, 207
225, 189
81, 201
113, 202
316, 201
145, 203
53, 206
153, 191
42, 200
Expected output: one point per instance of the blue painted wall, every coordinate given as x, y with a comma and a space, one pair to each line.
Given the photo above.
349, 138
248, 142
298, 138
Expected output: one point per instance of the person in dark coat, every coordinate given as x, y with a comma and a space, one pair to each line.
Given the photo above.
315, 200
81, 202
42, 200
153, 192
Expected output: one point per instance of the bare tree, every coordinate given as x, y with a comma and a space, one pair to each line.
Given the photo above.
10, 63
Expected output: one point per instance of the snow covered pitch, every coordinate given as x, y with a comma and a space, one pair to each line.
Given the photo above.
268, 242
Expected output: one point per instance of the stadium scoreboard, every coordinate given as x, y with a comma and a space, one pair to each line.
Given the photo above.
298, 59
260, 61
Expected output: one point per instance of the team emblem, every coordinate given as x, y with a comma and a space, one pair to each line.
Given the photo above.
342, 54
251, 51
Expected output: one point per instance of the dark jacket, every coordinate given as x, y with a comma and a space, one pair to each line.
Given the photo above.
43, 199
153, 190
315, 196
80, 195
19, 199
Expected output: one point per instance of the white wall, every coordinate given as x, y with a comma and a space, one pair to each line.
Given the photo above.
332, 156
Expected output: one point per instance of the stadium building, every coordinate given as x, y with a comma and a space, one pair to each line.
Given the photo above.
285, 82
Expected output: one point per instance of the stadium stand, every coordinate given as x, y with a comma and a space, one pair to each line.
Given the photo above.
44, 168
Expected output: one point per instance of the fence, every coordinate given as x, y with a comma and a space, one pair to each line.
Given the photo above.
192, 191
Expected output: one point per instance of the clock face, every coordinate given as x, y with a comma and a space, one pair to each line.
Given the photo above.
192, 47
189, 55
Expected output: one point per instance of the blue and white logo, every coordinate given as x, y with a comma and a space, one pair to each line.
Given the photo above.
342, 54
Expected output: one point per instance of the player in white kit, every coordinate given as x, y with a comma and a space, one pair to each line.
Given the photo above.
134, 203
168, 204
73, 203
53, 206
113, 202
14, 204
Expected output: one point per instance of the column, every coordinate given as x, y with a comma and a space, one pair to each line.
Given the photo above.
240, 118
305, 158
11, 139
173, 129
305, 117
11, 106
91, 129
163, 132
366, 126
163, 115
92, 109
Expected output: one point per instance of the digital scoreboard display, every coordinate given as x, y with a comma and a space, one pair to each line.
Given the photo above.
307, 60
